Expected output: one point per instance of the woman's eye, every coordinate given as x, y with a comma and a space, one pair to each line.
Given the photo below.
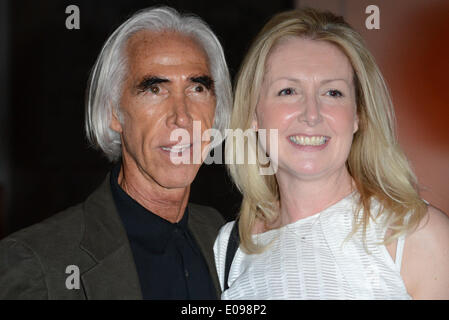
334, 93
286, 92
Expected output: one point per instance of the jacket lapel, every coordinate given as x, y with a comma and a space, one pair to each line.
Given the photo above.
114, 275
113, 278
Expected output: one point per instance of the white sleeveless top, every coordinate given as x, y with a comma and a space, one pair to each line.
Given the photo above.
310, 259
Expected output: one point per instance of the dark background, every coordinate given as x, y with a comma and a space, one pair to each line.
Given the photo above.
46, 164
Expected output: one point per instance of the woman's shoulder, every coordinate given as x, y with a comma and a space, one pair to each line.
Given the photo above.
432, 232
435, 221
426, 257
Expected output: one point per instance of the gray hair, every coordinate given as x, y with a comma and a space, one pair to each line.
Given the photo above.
105, 82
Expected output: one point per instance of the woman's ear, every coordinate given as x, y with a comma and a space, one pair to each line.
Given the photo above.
356, 123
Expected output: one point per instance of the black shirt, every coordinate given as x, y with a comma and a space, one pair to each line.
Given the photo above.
169, 262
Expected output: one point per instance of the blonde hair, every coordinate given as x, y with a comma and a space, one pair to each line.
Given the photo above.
376, 163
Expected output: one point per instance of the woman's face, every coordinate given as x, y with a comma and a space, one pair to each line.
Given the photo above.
308, 94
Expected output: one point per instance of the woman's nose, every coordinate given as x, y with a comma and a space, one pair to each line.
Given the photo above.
310, 113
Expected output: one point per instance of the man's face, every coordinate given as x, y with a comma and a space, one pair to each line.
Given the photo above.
168, 86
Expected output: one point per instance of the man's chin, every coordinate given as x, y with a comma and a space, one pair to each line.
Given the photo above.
176, 182
172, 185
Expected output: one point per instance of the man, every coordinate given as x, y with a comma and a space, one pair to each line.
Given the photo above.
136, 236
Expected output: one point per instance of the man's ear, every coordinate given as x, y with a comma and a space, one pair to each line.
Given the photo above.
115, 122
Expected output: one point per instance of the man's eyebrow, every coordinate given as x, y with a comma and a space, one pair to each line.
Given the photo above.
149, 81
204, 80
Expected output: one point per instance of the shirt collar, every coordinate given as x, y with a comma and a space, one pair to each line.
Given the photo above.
142, 225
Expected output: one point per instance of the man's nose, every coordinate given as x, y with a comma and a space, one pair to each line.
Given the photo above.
310, 110
180, 115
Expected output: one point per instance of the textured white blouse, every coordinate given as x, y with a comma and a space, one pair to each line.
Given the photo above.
310, 259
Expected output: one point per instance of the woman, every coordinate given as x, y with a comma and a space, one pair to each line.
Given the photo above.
341, 218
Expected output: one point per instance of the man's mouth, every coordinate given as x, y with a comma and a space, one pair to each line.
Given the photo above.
308, 140
177, 148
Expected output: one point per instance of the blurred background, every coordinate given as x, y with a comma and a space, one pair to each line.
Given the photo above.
46, 164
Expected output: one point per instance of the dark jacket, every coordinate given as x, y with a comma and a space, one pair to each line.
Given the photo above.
91, 236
